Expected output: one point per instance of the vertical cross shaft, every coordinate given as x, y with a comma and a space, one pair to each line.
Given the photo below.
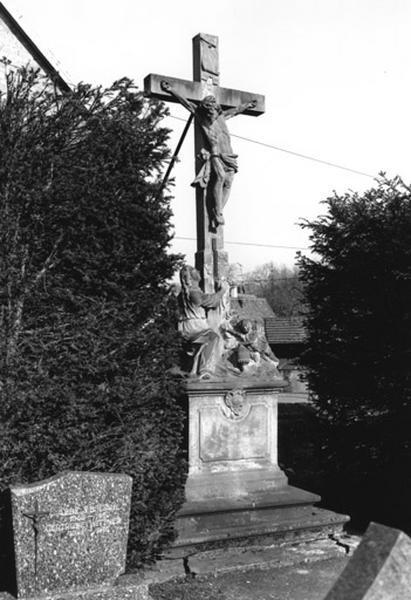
210, 259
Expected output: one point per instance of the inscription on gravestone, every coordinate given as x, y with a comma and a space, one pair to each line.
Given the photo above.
70, 532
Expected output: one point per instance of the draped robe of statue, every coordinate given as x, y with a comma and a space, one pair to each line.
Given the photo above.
203, 344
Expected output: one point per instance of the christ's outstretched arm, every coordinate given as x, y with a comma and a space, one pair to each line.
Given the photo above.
166, 87
237, 110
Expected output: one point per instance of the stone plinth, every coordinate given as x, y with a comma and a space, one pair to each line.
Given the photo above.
232, 443
236, 493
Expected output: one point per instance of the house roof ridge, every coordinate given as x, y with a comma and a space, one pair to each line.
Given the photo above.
38, 56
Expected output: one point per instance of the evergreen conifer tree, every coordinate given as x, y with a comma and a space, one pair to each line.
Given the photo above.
358, 319
87, 323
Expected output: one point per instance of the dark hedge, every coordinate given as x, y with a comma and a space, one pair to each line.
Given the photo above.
88, 335
358, 355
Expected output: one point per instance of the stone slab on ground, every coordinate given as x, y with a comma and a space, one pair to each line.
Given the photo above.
238, 559
309, 581
380, 568
224, 560
254, 525
165, 570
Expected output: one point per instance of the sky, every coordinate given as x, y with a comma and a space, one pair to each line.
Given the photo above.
335, 73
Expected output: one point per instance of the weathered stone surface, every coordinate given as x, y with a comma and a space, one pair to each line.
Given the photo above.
250, 557
295, 582
256, 525
380, 568
127, 590
195, 90
210, 132
70, 533
232, 444
236, 493
164, 570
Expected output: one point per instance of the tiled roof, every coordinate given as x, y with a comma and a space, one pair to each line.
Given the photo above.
284, 330
248, 306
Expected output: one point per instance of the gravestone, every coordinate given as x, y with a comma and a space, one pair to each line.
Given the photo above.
380, 568
70, 535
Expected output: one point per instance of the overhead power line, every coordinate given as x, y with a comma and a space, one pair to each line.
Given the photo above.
293, 153
306, 156
270, 279
192, 239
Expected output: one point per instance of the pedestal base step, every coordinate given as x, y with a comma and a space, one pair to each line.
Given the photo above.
284, 515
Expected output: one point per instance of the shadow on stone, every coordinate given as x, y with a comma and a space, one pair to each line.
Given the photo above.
7, 563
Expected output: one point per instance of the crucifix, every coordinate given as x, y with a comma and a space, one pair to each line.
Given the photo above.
215, 162
36, 518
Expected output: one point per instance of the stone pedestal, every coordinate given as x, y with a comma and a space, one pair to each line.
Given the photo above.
232, 444
236, 493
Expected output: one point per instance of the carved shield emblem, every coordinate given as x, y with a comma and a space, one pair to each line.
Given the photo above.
235, 404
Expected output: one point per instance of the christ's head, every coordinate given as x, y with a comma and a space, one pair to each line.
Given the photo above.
209, 106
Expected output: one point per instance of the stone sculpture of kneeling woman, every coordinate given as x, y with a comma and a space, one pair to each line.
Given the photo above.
204, 345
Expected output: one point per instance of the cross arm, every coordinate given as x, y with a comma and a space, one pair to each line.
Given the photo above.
194, 92
189, 89
237, 110
236, 98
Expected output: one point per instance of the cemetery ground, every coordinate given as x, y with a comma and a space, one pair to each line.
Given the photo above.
378, 570
304, 581
302, 442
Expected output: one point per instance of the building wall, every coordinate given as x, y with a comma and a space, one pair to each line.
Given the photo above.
11, 48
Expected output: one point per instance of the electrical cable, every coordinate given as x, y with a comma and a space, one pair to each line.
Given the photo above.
293, 153
191, 239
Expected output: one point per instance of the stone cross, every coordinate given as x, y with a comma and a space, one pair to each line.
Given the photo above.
211, 260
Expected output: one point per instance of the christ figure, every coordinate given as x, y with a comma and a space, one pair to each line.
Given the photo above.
219, 161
